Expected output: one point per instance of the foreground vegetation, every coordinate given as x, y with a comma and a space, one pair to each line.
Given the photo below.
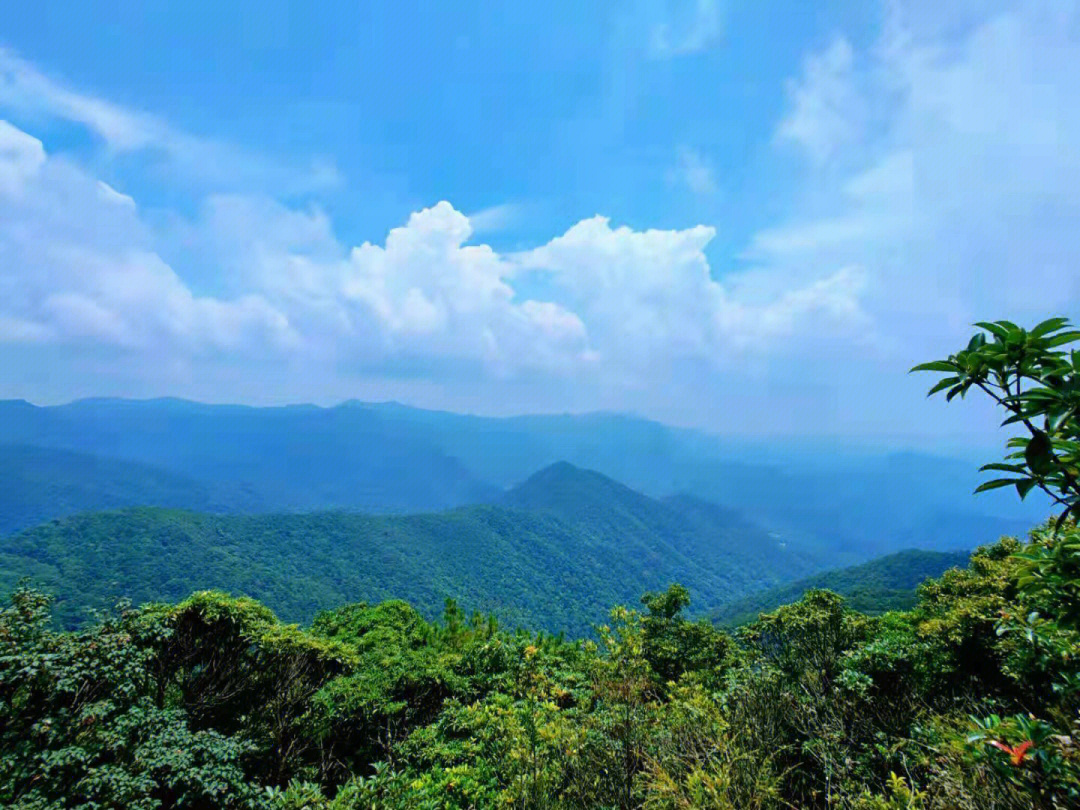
968, 700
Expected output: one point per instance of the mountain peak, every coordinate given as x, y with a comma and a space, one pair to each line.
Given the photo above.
563, 472
563, 488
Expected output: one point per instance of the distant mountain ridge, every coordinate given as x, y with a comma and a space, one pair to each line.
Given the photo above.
41, 483
294, 458
391, 458
539, 557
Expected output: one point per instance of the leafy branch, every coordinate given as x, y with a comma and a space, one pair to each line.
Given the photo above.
1031, 376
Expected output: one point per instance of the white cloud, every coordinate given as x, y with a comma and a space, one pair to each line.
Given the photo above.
26, 90
495, 218
648, 297
111, 195
21, 157
692, 26
961, 200
83, 268
432, 294
79, 266
826, 107
693, 171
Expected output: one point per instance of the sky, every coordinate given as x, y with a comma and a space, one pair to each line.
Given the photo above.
748, 217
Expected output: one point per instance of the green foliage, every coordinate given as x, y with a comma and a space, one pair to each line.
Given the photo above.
968, 700
1029, 375
1038, 384
79, 726
876, 587
557, 558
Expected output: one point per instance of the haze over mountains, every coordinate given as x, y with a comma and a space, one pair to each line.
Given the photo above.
392, 458
555, 552
543, 520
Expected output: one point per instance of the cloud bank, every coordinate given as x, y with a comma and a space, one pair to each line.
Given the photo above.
83, 267
935, 181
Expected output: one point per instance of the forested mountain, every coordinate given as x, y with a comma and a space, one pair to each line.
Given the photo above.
538, 558
719, 540
887, 583
392, 458
42, 483
291, 458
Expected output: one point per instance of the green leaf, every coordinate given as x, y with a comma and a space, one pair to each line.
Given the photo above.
998, 483
942, 385
1013, 468
996, 330
1049, 325
937, 365
1062, 339
1024, 487
1038, 453
1055, 419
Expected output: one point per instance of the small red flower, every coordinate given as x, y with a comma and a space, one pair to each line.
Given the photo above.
1017, 754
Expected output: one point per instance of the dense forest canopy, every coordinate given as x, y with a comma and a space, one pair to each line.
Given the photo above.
968, 699
554, 554
212, 702
887, 583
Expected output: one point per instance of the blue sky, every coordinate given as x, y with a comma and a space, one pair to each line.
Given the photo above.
751, 217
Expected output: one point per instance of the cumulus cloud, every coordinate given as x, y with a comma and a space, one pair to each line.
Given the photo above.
649, 297
83, 267
79, 266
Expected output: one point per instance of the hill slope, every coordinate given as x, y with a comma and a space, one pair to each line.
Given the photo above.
290, 458
887, 583
392, 458
42, 483
719, 542
524, 563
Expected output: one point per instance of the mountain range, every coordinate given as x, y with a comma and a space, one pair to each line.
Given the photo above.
555, 552
544, 521
390, 458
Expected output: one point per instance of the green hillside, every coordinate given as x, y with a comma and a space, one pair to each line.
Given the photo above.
42, 483
887, 583
721, 543
539, 559
292, 458
392, 458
